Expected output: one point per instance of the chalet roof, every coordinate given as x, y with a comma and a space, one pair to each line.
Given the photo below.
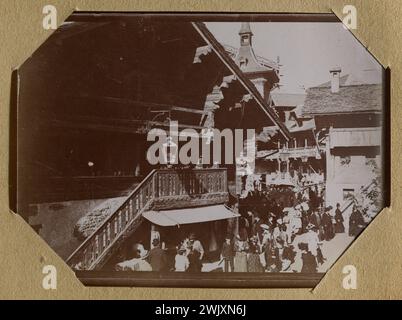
116, 78
271, 64
221, 53
288, 99
352, 98
246, 54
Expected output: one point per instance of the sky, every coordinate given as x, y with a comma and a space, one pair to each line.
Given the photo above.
307, 50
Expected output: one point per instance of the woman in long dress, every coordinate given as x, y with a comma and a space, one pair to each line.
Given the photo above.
339, 227
356, 222
327, 225
253, 259
240, 260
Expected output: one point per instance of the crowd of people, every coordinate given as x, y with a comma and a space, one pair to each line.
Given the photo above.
188, 258
281, 235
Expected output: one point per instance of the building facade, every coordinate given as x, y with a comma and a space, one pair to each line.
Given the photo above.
348, 111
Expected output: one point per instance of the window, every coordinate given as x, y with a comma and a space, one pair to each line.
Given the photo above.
243, 63
348, 194
345, 160
245, 39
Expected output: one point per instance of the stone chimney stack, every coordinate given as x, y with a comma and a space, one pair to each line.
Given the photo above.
335, 75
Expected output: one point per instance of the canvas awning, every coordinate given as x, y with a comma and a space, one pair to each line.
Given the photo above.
167, 218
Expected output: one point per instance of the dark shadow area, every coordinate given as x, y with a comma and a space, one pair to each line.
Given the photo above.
13, 145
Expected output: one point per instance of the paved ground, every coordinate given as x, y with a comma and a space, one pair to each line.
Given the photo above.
333, 249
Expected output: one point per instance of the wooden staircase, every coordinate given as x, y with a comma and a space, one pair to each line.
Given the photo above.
161, 189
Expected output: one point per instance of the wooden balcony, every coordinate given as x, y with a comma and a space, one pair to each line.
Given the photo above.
161, 189
292, 153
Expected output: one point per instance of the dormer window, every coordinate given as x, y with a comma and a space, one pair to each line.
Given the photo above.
245, 40
243, 63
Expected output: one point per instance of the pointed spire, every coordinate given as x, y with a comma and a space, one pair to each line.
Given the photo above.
245, 28
246, 34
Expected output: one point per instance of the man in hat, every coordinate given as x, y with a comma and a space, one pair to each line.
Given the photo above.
227, 254
328, 227
157, 257
181, 261
196, 253
313, 242
309, 263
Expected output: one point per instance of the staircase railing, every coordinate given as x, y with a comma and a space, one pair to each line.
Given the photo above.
95, 247
164, 185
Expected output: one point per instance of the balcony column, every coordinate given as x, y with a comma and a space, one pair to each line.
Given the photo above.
154, 235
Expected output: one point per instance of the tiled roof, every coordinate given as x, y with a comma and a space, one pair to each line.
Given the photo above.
368, 76
342, 82
353, 98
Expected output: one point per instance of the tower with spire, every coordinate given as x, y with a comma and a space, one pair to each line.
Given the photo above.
263, 77
245, 34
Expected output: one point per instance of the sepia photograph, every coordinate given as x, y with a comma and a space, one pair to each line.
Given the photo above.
199, 150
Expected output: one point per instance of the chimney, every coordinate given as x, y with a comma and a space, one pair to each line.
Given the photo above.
335, 75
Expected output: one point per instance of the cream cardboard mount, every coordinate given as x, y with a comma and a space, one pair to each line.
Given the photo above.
84, 96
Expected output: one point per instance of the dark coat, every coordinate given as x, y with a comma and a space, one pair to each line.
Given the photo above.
356, 223
309, 263
339, 227
227, 251
157, 258
327, 226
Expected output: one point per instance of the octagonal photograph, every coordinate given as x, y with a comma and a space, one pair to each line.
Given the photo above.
199, 150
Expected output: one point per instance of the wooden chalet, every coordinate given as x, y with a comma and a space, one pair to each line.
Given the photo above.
90, 94
349, 115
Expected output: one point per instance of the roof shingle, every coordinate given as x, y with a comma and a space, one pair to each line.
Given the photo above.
354, 98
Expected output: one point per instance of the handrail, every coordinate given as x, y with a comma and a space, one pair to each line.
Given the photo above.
345, 207
161, 183
107, 221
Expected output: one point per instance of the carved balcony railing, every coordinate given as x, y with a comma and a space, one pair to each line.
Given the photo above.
190, 188
293, 153
161, 189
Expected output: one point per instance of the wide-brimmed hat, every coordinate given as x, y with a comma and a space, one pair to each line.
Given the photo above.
264, 226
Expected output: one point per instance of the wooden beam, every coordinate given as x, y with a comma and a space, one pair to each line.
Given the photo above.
145, 104
248, 85
114, 125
